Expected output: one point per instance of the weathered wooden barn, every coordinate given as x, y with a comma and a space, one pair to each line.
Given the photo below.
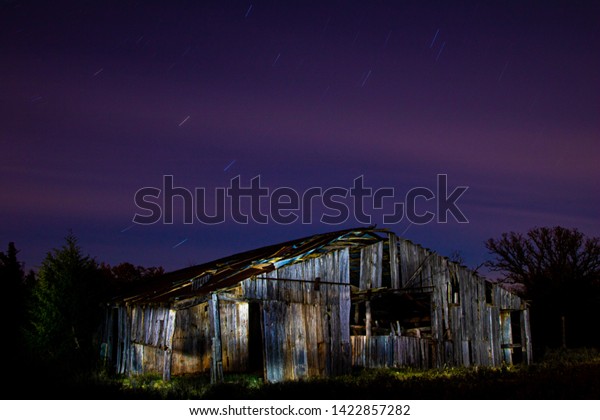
317, 306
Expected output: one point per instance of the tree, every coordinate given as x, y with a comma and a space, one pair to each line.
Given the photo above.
125, 276
559, 270
12, 279
10, 268
65, 308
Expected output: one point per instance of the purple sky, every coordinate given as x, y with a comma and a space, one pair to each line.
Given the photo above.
504, 98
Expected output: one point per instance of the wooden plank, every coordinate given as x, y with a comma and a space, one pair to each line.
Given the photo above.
526, 336
506, 336
216, 371
394, 267
371, 266
272, 310
344, 307
168, 352
368, 331
299, 340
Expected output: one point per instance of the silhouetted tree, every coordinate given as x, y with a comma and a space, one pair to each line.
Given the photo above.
125, 276
559, 269
65, 308
12, 281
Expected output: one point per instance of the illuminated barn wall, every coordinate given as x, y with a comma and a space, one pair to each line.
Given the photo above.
316, 308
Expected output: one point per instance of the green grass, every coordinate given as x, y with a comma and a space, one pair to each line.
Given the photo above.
560, 375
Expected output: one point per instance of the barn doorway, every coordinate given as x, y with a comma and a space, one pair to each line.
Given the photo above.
515, 326
256, 349
512, 336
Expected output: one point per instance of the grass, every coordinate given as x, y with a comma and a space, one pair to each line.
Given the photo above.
562, 374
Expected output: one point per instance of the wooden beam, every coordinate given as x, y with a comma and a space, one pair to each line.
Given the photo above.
394, 269
216, 369
168, 355
368, 331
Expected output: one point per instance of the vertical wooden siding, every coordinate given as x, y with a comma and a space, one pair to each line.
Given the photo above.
392, 351
192, 341
306, 331
144, 342
467, 332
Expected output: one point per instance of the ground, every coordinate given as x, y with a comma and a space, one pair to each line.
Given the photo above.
561, 375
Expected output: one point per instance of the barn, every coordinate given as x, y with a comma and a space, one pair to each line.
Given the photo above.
317, 306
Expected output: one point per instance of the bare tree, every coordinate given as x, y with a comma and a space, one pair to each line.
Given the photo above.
560, 271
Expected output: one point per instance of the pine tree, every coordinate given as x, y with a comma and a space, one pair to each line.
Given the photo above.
65, 308
12, 279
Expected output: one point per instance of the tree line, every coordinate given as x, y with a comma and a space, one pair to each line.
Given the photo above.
52, 317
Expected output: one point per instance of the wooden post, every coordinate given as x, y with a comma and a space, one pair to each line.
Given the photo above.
526, 332
168, 355
368, 330
394, 272
216, 369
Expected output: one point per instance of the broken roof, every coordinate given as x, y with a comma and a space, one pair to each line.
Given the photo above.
202, 279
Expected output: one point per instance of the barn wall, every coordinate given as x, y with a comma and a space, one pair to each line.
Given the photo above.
192, 340
371, 266
304, 311
234, 335
143, 342
465, 326
392, 351
306, 327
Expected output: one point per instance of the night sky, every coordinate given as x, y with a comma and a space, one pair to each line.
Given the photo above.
100, 99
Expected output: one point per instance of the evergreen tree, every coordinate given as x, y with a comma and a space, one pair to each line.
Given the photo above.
65, 308
12, 279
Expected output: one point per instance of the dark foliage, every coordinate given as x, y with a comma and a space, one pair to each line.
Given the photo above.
54, 319
65, 311
125, 276
559, 269
12, 281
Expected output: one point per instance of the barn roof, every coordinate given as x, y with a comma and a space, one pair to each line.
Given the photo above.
202, 279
